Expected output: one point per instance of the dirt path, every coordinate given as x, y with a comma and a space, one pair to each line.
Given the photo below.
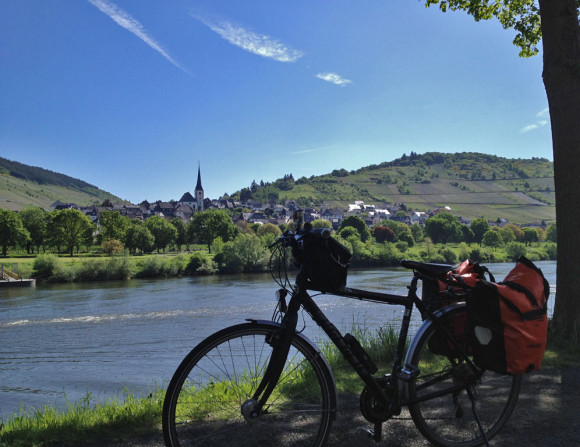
547, 414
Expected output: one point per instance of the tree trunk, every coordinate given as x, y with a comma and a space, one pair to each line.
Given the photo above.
561, 47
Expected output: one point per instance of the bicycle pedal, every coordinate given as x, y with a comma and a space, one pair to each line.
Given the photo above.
368, 431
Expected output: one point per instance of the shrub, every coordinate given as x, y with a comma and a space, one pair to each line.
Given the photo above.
479, 255
348, 232
551, 250
389, 254
112, 247
449, 255
120, 267
540, 254
154, 267
200, 264
515, 250
436, 257
92, 270
64, 274
463, 251
102, 270
402, 246
207, 267
244, 254
533, 256
195, 262
46, 265
178, 265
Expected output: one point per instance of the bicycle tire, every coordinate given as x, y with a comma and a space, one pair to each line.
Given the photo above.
449, 420
203, 402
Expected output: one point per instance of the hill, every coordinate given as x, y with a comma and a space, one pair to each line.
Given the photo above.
22, 186
471, 184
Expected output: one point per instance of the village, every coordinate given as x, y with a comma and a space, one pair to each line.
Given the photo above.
254, 212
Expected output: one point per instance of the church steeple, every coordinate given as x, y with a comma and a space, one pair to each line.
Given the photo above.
199, 190
198, 187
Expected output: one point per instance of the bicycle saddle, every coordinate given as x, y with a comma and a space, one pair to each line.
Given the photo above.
427, 268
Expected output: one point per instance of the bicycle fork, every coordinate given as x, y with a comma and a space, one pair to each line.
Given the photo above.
280, 340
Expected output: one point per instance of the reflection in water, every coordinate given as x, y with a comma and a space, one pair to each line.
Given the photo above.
67, 340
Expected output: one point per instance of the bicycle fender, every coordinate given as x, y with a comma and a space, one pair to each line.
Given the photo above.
422, 329
304, 338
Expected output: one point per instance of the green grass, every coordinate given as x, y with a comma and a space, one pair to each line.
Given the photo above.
560, 353
380, 344
117, 419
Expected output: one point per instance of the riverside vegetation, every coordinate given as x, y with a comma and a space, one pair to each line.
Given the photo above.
127, 417
214, 244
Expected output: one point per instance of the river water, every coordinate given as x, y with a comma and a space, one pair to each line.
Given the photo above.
68, 341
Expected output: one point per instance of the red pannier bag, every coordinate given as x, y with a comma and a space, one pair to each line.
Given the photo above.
452, 289
508, 322
438, 293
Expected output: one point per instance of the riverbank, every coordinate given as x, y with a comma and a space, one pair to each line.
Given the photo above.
249, 256
546, 414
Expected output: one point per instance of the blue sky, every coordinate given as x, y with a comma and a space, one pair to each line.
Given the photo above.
131, 95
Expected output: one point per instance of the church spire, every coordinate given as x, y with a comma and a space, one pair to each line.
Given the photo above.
199, 196
198, 187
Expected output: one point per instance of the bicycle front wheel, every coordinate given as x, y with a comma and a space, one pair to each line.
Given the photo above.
446, 389
203, 403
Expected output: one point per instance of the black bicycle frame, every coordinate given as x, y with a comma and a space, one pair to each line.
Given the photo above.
281, 339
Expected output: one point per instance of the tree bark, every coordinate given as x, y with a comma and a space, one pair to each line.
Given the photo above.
561, 48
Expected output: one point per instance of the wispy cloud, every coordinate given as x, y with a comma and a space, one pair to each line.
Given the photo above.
334, 78
259, 44
308, 151
528, 128
125, 20
545, 113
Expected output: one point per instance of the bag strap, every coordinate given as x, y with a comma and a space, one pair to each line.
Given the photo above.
519, 288
530, 315
484, 269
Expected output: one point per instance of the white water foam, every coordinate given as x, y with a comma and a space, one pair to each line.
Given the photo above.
101, 318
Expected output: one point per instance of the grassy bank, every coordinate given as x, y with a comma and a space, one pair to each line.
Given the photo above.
127, 417
54, 268
118, 419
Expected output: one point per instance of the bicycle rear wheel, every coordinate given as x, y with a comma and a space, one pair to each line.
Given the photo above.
448, 419
203, 403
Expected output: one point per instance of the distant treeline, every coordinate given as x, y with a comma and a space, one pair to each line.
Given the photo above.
41, 176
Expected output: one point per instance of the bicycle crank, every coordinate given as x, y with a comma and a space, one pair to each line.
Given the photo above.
373, 410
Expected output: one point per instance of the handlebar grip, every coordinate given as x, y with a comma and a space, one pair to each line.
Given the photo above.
324, 233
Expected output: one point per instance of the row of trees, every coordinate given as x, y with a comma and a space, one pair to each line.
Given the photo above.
69, 230
445, 228
66, 231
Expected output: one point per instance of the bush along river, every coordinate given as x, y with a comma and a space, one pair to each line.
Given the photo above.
73, 341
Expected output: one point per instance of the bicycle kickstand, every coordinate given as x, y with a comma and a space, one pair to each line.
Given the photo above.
476, 414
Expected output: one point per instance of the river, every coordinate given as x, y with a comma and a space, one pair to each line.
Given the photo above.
68, 341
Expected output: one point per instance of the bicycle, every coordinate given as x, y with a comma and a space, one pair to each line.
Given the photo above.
264, 383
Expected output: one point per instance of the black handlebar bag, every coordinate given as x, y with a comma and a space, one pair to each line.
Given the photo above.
325, 261
507, 321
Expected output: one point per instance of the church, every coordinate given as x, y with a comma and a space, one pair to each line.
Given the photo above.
195, 201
